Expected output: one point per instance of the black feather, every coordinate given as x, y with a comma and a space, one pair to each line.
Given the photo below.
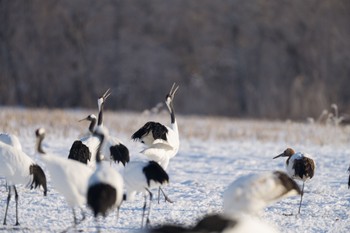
153, 171
79, 152
39, 178
158, 130
170, 229
214, 223
209, 224
101, 197
120, 153
304, 167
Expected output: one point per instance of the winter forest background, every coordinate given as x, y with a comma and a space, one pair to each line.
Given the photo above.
256, 59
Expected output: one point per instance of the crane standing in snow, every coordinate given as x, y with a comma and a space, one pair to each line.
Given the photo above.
69, 177
162, 142
141, 176
105, 186
299, 166
18, 168
84, 150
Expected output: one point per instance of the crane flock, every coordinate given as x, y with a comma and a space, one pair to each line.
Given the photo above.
87, 177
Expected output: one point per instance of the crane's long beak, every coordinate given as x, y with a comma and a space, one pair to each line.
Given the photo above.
277, 156
84, 119
106, 94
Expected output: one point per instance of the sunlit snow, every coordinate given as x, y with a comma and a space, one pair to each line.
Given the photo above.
213, 153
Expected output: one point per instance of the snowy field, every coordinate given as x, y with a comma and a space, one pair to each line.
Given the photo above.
213, 153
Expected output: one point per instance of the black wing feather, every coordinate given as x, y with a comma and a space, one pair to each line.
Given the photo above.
155, 172
120, 153
304, 167
209, 224
214, 223
79, 152
158, 130
39, 178
170, 229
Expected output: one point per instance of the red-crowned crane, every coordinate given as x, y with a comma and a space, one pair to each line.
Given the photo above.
68, 177
243, 200
299, 166
161, 142
93, 120
142, 176
18, 168
11, 140
113, 149
105, 186
84, 150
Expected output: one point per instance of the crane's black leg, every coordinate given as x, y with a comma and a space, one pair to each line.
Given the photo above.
144, 210
118, 213
16, 198
83, 215
167, 199
158, 194
74, 217
149, 207
7, 205
301, 197
75, 222
98, 228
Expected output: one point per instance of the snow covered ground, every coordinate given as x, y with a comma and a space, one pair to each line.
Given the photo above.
213, 153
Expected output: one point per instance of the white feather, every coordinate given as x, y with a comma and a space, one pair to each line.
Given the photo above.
251, 193
104, 173
69, 178
14, 165
11, 140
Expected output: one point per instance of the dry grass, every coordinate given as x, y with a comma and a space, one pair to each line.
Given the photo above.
65, 122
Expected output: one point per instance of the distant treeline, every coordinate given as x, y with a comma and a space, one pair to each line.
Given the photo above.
259, 59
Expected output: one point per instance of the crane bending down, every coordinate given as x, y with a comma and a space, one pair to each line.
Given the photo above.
243, 200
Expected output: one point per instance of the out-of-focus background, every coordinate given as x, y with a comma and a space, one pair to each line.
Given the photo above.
256, 59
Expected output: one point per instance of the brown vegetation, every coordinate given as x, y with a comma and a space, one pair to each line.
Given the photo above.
63, 123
